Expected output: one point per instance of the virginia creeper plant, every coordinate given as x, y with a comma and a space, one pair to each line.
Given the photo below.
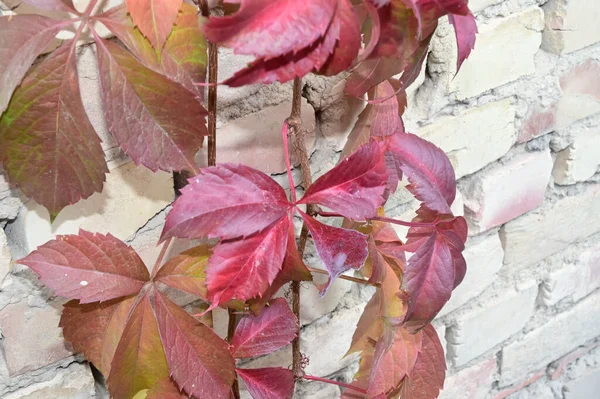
153, 77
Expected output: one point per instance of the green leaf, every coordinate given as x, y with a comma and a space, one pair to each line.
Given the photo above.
156, 121
23, 38
47, 143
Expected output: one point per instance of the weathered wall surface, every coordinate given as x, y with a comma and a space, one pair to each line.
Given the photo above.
521, 124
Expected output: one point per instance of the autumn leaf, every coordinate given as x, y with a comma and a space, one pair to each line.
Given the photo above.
47, 143
139, 105
95, 329
274, 328
89, 267
355, 187
52, 5
187, 271
465, 28
154, 18
198, 359
427, 168
236, 201
339, 249
183, 57
139, 362
23, 38
245, 268
165, 389
268, 383
427, 377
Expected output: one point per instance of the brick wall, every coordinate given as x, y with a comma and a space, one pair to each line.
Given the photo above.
520, 123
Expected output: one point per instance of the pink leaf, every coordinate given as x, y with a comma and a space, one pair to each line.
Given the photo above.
154, 18
386, 118
339, 249
429, 372
244, 269
52, 5
274, 328
429, 10
270, 28
349, 40
226, 201
89, 267
198, 359
427, 168
268, 383
465, 28
23, 38
355, 187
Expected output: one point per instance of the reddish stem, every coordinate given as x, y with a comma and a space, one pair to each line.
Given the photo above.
288, 164
341, 384
388, 220
344, 277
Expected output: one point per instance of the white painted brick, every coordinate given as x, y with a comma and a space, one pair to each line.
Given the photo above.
483, 328
131, 196
484, 257
5, 257
561, 334
478, 5
551, 228
313, 306
9, 203
255, 140
580, 160
586, 387
327, 340
509, 190
473, 382
73, 382
468, 146
576, 280
571, 25
504, 52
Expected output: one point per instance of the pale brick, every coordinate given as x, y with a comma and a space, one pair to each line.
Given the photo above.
468, 146
586, 387
484, 257
255, 140
313, 306
504, 393
474, 382
9, 203
73, 382
5, 256
507, 191
131, 196
503, 53
485, 327
478, 5
561, 334
580, 160
327, 340
571, 25
31, 337
551, 228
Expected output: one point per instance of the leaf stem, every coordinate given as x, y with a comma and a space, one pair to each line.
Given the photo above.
288, 164
344, 277
161, 256
408, 224
341, 384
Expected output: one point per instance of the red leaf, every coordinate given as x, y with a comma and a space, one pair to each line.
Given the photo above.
435, 269
199, 360
386, 118
349, 39
430, 10
244, 269
271, 28
339, 249
274, 328
268, 383
427, 377
96, 328
23, 38
465, 28
139, 105
187, 271
154, 18
226, 201
183, 58
355, 187
427, 168
89, 267
139, 362
47, 143
395, 364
